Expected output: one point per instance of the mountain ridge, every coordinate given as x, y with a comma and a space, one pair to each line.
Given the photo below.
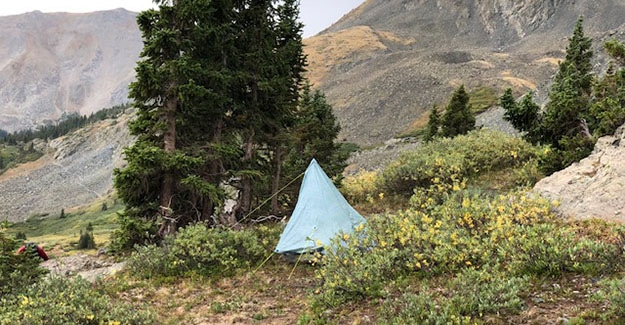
381, 93
62, 63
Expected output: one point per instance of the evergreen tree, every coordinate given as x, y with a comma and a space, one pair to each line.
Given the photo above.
564, 122
216, 94
509, 105
569, 97
313, 136
434, 124
290, 63
524, 116
17, 271
458, 117
607, 111
529, 119
315, 133
86, 240
254, 43
180, 109
156, 94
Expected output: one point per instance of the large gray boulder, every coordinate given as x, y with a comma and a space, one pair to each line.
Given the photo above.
594, 187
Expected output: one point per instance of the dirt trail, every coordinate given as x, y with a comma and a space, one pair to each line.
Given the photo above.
88, 267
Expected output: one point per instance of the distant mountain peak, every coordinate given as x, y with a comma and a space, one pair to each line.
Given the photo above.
55, 63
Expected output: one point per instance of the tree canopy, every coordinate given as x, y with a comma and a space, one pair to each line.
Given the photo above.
581, 107
218, 102
458, 117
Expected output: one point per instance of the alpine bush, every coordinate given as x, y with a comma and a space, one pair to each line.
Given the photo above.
554, 248
198, 249
60, 300
445, 161
420, 308
466, 230
17, 272
613, 292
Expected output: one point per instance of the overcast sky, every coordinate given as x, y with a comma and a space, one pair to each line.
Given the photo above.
316, 14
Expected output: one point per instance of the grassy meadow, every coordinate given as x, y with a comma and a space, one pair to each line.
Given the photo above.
59, 235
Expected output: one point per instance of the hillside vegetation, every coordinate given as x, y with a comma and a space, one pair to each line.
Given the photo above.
469, 246
453, 234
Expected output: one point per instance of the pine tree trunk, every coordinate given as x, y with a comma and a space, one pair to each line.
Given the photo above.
275, 186
167, 188
214, 170
246, 182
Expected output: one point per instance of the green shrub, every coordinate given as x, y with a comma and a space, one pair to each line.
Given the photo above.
198, 249
613, 292
472, 294
131, 232
447, 161
216, 251
68, 301
552, 249
360, 188
420, 308
356, 267
467, 230
152, 261
17, 272
528, 174
594, 257
476, 292
572, 149
540, 249
459, 234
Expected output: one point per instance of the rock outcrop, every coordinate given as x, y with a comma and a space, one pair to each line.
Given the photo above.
594, 187
88, 267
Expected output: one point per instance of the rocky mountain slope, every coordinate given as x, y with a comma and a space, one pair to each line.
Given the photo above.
388, 61
56, 63
76, 170
382, 67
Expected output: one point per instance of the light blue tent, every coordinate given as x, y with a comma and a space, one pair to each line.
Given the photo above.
321, 213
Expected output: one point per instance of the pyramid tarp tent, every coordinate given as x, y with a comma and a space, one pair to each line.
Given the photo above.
320, 214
